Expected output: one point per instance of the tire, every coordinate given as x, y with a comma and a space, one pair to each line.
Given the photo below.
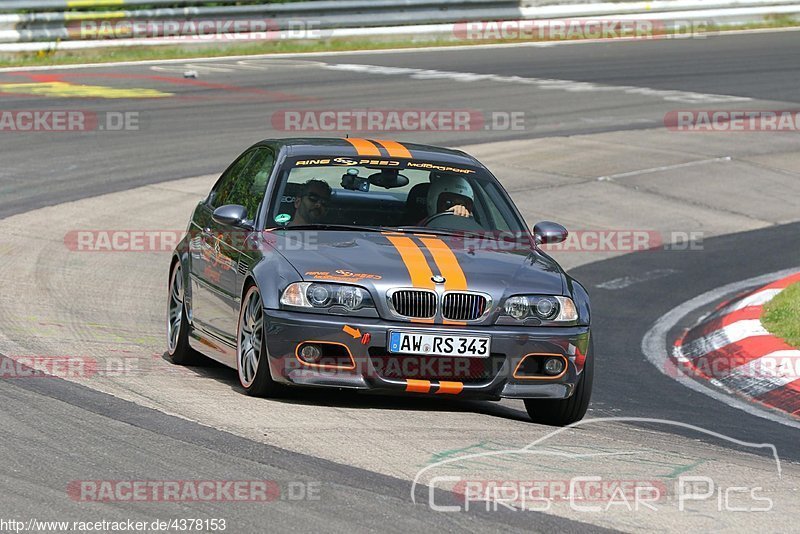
178, 349
252, 359
562, 412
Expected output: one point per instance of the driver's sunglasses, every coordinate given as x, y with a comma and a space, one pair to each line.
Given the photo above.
316, 199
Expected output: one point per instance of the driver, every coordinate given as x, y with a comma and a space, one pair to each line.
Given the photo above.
451, 194
312, 203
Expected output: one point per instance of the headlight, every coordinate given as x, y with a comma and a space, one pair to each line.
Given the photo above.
322, 296
546, 308
318, 295
517, 307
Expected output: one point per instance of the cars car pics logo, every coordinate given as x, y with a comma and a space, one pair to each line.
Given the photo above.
283, 218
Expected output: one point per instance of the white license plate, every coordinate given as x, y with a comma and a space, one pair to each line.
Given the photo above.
440, 344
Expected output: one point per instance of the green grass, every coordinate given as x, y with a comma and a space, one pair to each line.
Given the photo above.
782, 315
142, 53
106, 55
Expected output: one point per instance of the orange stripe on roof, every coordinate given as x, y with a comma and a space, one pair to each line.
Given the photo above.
364, 147
418, 268
452, 388
395, 149
447, 263
418, 386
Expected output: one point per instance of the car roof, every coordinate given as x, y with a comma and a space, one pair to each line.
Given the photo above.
333, 146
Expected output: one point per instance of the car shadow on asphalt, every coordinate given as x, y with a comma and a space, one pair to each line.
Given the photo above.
342, 398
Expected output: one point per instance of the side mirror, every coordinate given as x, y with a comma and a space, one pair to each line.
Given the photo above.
230, 215
546, 232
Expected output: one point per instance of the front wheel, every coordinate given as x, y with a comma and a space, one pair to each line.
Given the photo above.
562, 412
252, 361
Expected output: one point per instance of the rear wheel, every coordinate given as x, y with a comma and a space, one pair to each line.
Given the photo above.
252, 361
177, 324
562, 412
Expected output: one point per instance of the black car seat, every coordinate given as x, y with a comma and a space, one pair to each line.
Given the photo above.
416, 204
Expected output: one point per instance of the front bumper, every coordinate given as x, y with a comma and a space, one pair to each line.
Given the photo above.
375, 370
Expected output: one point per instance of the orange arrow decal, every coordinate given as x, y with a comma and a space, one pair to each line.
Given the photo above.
355, 332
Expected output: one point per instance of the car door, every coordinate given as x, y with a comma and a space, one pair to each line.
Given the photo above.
208, 255
229, 259
259, 171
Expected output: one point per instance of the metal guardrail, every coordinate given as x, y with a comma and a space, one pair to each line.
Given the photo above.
311, 5
342, 18
325, 14
41, 5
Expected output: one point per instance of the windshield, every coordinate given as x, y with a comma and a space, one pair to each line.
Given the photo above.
329, 192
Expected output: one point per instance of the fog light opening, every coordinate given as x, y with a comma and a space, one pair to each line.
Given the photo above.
311, 353
554, 366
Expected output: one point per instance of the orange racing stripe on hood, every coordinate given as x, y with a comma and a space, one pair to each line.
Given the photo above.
448, 265
418, 268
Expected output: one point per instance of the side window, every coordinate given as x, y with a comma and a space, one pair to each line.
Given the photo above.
248, 190
224, 186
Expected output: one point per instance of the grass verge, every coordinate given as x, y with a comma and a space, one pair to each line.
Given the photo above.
781, 315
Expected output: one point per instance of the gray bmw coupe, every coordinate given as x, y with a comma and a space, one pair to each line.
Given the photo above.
378, 266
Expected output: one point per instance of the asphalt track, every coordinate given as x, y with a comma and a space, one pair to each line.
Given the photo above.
56, 431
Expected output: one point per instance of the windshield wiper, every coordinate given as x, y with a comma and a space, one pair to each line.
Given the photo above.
350, 227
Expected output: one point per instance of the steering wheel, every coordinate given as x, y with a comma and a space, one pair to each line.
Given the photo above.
428, 220
449, 220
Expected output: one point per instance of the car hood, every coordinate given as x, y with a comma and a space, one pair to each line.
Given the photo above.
380, 261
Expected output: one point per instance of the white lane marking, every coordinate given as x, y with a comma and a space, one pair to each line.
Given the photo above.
651, 170
765, 374
626, 281
381, 51
719, 339
572, 86
654, 345
255, 64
